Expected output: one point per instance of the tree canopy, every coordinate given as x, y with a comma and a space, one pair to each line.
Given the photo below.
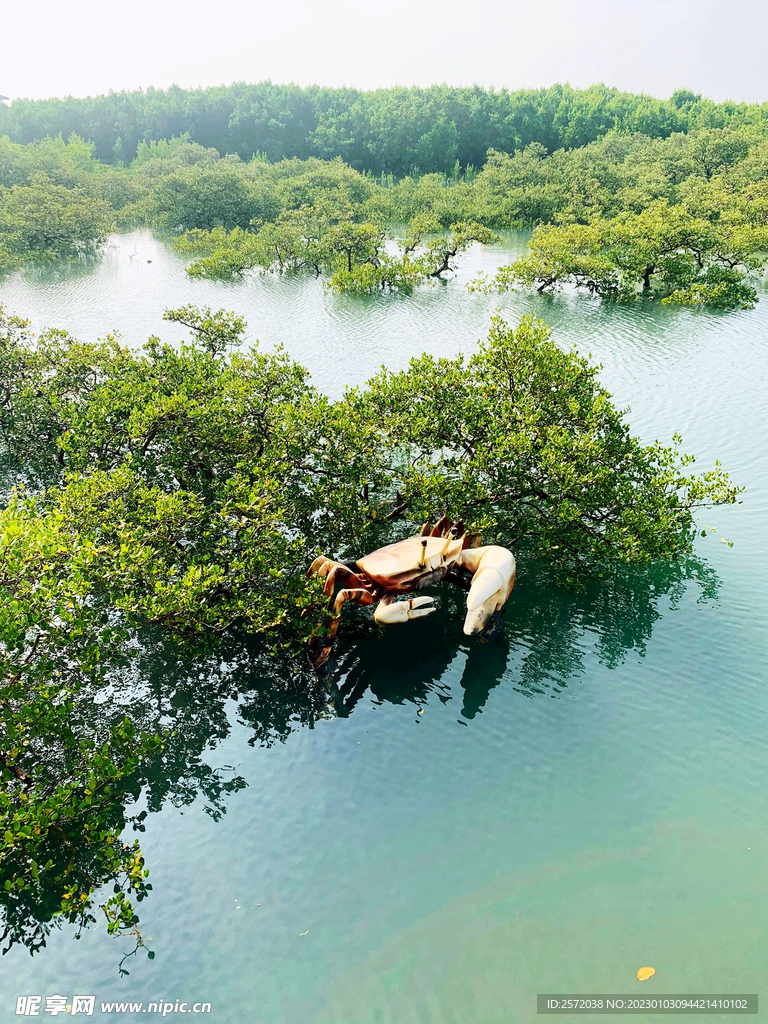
43, 222
664, 250
396, 131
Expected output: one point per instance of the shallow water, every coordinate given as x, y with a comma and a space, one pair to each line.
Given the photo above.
582, 797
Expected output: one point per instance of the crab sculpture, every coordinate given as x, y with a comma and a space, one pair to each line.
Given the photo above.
445, 551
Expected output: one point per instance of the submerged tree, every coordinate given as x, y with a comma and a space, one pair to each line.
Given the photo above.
681, 214
43, 222
520, 437
353, 254
667, 250
522, 440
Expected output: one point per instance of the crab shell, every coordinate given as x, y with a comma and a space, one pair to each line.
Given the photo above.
396, 567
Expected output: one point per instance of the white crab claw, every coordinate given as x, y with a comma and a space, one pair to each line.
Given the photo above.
491, 586
402, 611
486, 584
420, 606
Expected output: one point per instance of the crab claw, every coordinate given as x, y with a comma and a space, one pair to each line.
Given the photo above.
492, 584
388, 613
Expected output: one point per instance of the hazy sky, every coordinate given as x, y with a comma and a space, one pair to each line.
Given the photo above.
52, 48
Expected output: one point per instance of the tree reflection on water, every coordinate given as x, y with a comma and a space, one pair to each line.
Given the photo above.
547, 635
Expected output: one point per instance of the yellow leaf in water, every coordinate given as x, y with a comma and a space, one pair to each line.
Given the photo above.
645, 973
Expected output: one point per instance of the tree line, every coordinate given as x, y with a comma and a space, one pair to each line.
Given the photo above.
385, 131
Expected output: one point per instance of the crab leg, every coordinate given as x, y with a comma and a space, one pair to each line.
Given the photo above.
441, 527
334, 574
340, 574
388, 611
322, 566
493, 576
359, 596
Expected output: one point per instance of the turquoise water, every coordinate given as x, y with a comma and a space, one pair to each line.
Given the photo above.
582, 797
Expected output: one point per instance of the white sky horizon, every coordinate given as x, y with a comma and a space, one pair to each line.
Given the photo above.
87, 48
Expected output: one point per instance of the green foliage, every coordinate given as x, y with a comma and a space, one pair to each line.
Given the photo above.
624, 214
207, 426
324, 238
238, 452
439, 253
43, 222
393, 130
419, 261
388, 273
431, 197
720, 287
214, 332
65, 163
202, 196
522, 440
178, 151
329, 218
60, 825
684, 98
689, 260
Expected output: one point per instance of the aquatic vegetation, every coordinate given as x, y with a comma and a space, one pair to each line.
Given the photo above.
665, 250
43, 222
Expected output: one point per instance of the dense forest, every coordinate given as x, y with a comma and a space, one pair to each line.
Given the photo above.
387, 131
